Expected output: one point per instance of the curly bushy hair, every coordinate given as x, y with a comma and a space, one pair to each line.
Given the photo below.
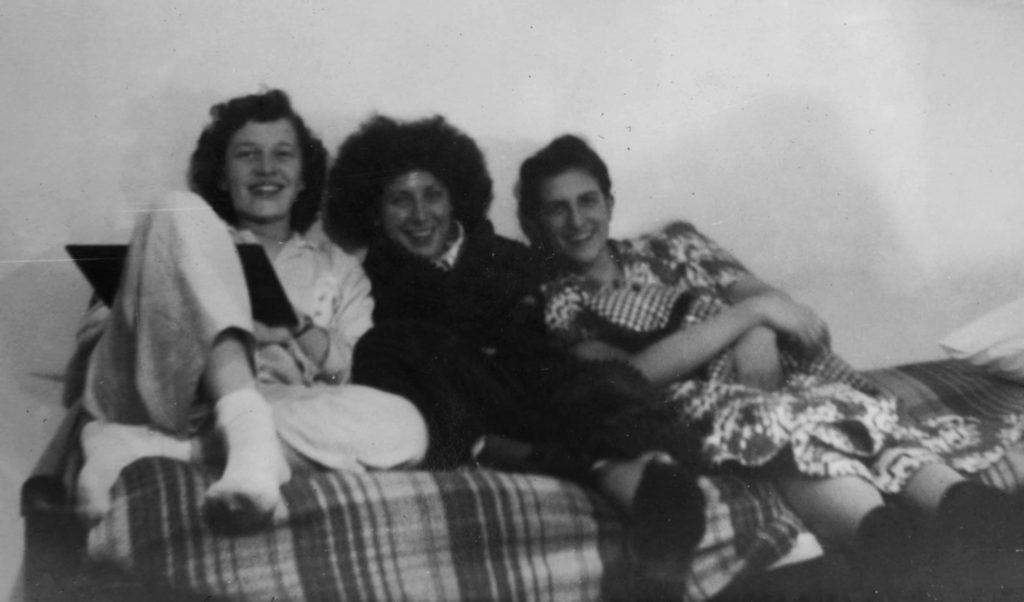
562, 154
206, 168
383, 149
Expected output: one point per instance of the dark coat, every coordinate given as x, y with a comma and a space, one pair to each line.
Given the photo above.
489, 298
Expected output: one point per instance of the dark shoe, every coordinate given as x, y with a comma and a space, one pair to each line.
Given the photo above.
890, 555
979, 517
979, 530
668, 516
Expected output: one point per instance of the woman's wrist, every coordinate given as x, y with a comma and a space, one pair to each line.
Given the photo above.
305, 326
316, 348
753, 312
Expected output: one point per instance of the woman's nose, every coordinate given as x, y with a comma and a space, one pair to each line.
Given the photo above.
418, 210
266, 164
575, 217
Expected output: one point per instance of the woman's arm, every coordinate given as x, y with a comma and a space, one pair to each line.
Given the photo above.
747, 285
344, 308
350, 317
684, 351
802, 323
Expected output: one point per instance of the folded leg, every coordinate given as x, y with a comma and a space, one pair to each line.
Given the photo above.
349, 427
180, 331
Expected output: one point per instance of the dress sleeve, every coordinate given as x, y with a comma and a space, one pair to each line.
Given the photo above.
691, 250
563, 310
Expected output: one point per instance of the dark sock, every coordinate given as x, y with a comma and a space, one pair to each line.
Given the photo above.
977, 515
668, 515
884, 548
886, 528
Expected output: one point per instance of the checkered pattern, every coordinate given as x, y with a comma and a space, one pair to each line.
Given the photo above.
637, 308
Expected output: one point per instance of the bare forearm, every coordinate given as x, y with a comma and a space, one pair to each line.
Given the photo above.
685, 351
749, 286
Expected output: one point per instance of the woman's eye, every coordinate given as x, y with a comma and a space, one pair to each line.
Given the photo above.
553, 210
396, 201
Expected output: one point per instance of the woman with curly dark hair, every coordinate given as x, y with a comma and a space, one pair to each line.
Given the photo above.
180, 335
457, 333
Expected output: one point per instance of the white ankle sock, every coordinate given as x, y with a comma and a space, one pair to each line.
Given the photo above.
108, 448
249, 489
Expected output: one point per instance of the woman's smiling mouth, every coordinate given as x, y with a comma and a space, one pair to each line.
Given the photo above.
423, 235
266, 188
579, 238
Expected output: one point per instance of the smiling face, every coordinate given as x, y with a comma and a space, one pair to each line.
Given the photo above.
416, 213
573, 219
263, 172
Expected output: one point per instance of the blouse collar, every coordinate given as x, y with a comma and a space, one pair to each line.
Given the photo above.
447, 260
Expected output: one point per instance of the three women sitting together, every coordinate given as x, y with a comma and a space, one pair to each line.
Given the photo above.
627, 366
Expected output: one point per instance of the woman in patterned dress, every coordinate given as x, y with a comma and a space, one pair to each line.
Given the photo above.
750, 368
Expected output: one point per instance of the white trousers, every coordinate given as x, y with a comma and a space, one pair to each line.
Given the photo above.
183, 285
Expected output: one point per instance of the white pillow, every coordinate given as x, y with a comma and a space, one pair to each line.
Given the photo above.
993, 342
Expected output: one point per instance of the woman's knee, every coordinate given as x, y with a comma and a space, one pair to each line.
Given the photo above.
179, 214
400, 435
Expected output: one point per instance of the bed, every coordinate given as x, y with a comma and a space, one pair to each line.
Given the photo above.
478, 533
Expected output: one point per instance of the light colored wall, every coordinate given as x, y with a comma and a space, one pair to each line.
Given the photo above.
861, 154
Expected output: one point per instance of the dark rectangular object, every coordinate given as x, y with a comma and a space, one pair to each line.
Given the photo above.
102, 266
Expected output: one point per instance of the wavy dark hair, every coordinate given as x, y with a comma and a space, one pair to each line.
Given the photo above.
383, 149
206, 168
562, 154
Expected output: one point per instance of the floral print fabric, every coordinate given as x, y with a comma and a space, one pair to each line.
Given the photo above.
833, 421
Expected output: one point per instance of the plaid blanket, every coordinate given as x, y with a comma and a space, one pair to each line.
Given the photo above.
473, 534
931, 389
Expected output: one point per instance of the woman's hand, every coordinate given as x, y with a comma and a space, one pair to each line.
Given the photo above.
270, 335
595, 350
792, 319
756, 358
281, 335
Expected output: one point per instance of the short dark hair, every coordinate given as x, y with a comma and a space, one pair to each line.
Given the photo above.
206, 168
383, 149
562, 154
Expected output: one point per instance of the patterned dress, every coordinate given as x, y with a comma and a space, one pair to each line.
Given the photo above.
832, 420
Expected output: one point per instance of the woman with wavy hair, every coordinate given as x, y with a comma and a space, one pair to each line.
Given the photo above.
180, 340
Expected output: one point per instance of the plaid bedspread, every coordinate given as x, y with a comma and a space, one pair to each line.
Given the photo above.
930, 389
473, 534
